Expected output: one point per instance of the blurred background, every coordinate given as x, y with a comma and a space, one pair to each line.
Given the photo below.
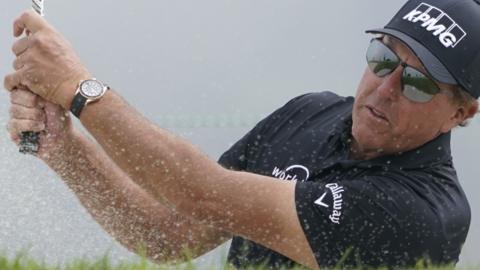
207, 71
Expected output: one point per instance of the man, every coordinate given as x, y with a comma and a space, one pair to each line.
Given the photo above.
369, 181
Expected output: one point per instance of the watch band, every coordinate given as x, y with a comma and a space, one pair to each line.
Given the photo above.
78, 103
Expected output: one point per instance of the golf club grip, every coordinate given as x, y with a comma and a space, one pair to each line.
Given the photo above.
29, 140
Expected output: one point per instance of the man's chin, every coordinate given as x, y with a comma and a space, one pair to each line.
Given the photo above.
369, 140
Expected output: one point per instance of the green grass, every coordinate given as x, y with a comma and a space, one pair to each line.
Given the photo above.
24, 262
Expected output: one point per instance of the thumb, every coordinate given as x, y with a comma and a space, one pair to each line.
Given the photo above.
30, 21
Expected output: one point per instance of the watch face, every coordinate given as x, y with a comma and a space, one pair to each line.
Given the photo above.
91, 88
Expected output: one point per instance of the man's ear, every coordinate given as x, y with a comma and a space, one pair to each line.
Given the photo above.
471, 110
463, 113
466, 112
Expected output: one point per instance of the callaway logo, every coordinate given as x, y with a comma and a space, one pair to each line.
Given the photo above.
337, 196
292, 173
438, 22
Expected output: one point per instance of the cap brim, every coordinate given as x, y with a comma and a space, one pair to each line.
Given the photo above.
431, 63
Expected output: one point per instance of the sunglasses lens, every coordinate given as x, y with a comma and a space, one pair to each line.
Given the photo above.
381, 60
417, 87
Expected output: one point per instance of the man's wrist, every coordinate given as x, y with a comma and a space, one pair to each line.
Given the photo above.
68, 89
62, 149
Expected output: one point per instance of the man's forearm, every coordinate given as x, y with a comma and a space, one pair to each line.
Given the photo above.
173, 169
124, 209
151, 156
167, 166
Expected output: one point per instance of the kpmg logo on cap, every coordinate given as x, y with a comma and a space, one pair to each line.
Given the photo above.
439, 23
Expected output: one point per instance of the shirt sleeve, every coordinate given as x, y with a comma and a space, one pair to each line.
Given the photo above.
237, 157
371, 221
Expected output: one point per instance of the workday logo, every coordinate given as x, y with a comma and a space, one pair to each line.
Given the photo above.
437, 22
292, 173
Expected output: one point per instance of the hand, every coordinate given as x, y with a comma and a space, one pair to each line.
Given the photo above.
30, 112
45, 61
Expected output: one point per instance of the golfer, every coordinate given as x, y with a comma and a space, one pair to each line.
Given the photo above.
368, 181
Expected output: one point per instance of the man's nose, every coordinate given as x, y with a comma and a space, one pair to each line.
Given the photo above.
391, 85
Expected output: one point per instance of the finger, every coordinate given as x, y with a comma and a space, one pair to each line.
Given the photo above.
20, 46
13, 81
24, 98
25, 113
28, 20
40, 103
19, 62
17, 126
15, 138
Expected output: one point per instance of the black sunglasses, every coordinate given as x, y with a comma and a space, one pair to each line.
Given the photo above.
416, 86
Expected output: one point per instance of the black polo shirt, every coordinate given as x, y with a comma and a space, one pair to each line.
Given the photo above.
393, 210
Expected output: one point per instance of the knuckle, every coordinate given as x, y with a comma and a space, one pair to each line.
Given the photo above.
12, 126
18, 46
13, 95
39, 115
35, 114
40, 125
13, 137
12, 111
17, 21
25, 15
36, 41
36, 126
7, 83
34, 99
14, 48
22, 97
39, 40
16, 64
14, 134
